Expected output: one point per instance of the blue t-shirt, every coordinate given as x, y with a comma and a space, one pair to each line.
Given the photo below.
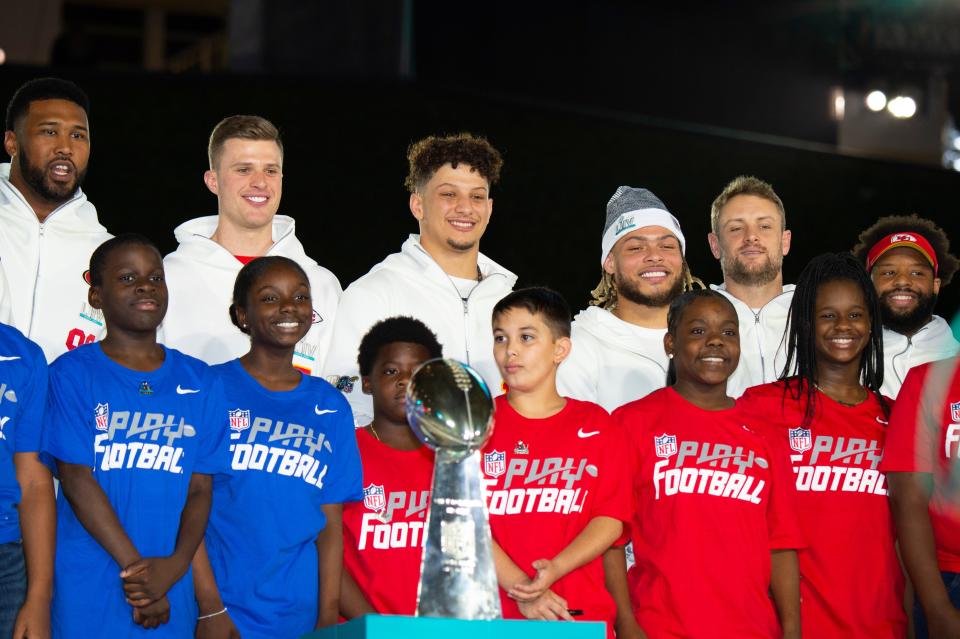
144, 435
292, 451
23, 392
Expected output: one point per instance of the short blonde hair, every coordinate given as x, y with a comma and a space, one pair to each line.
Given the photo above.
245, 127
745, 185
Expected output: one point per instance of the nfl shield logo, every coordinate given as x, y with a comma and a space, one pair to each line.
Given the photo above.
374, 497
665, 445
955, 411
101, 415
800, 439
239, 419
494, 463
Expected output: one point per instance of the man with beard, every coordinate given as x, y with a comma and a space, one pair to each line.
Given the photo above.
48, 229
909, 259
439, 277
749, 236
618, 353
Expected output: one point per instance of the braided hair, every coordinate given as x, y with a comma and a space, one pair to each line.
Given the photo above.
800, 338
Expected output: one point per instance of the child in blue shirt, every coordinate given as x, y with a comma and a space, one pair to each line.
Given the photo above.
271, 563
27, 514
136, 430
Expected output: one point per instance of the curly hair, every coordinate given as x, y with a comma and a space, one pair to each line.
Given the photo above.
605, 294
430, 153
391, 330
745, 185
938, 239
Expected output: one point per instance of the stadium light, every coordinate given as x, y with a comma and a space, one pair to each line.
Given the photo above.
876, 100
902, 107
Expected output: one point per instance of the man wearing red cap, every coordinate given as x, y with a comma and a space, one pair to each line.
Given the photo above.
909, 259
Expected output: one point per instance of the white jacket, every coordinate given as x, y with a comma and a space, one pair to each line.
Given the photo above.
612, 362
44, 265
901, 353
411, 283
200, 277
763, 351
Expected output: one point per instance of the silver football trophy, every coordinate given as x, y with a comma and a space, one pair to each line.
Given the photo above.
450, 409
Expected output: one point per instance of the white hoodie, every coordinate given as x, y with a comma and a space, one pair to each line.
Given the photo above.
44, 264
612, 362
200, 277
411, 283
763, 351
901, 353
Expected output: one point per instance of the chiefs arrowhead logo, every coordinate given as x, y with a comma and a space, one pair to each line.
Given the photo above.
86, 277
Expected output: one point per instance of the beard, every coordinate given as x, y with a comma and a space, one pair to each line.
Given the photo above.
37, 179
908, 322
461, 246
629, 290
751, 276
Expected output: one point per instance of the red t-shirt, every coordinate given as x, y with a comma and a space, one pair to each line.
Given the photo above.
924, 437
383, 536
546, 479
713, 497
851, 583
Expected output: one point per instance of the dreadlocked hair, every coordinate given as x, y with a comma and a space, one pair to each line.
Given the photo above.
605, 294
801, 347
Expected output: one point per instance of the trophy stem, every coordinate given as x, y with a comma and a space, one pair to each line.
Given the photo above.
457, 576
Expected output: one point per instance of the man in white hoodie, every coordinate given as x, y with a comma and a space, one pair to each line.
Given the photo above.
48, 229
618, 353
439, 276
749, 236
909, 260
246, 174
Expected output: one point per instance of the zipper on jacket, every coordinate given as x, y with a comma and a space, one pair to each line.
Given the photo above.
893, 360
36, 281
466, 322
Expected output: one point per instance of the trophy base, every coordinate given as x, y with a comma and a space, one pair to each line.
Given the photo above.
393, 626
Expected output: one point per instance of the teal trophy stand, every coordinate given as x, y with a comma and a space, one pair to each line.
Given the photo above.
395, 626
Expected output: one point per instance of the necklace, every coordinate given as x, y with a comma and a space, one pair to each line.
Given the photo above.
374, 431
840, 401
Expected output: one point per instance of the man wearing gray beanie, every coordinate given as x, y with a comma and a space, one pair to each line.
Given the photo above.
618, 353
749, 236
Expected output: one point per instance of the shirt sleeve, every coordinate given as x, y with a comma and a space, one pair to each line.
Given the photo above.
68, 433
31, 402
343, 481
213, 451
626, 428
911, 437
613, 486
783, 525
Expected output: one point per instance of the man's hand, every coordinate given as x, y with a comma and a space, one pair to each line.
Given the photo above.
147, 580
217, 627
547, 607
153, 614
33, 620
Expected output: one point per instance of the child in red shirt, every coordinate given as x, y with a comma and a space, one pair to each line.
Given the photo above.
555, 480
834, 420
922, 463
714, 531
383, 536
